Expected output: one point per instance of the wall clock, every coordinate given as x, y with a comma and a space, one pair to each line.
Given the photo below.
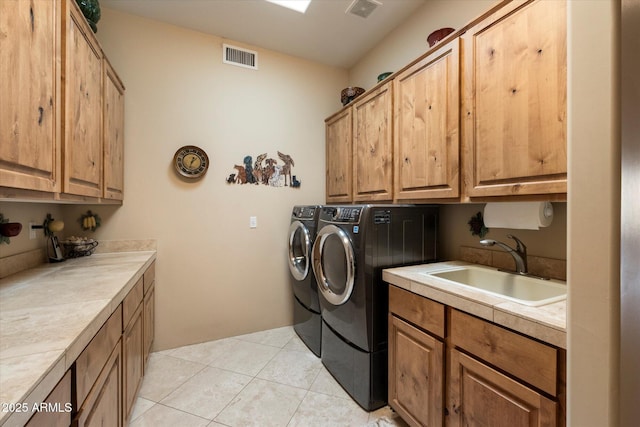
191, 161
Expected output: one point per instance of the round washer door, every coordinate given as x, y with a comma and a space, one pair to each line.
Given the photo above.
299, 250
334, 264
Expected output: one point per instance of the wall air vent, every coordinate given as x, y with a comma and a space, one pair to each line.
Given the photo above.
363, 8
238, 56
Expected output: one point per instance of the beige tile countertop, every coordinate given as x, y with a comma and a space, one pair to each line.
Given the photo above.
546, 323
49, 314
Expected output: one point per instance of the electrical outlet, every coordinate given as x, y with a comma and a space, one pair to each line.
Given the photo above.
32, 231
253, 222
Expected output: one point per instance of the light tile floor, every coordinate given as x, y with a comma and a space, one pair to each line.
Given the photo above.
264, 379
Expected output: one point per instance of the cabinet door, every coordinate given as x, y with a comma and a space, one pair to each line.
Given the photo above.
426, 135
103, 405
132, 352
416, 373
339, 151
481, 396
372, 146
83, 107
61, 398
148, 322
515, 79
30, 100
91, 362
113, 134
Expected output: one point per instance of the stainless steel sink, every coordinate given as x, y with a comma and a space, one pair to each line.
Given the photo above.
525, 290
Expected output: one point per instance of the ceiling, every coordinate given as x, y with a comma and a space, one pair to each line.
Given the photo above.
325, 33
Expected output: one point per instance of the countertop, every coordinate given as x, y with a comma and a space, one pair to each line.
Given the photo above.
49, 314
546, 323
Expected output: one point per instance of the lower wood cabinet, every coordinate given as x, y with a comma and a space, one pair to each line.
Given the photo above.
149, 311
109, 371
93, 358
482, 396
416, 368
132, 346
60, 399
103, 404
148, 323
493, 377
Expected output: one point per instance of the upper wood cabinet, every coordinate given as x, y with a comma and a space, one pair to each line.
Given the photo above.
426, 120
515, 82
372, 146
113, 135
62, 119
339, 130
30, 100
83, 107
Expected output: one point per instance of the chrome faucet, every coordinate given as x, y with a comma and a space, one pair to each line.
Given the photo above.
519, 254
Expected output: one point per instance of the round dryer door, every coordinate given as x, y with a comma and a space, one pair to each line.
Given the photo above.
299, 250
334, 264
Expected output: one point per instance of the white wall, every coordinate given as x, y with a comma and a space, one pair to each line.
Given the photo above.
593, 214
216, 277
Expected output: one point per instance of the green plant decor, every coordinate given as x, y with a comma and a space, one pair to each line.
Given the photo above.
91, 11
476, 225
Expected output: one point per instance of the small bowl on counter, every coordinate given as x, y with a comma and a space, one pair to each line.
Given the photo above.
75, 247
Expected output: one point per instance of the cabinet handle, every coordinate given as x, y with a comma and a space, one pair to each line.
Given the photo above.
40, 115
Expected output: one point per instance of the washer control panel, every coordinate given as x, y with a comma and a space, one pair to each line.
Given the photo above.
304, 212
342, 214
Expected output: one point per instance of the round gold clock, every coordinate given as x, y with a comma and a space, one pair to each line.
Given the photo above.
191, 161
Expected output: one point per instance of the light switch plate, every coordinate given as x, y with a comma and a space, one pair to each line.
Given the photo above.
253, 221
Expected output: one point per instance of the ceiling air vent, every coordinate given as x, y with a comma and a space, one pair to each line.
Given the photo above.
363, 8
238, 56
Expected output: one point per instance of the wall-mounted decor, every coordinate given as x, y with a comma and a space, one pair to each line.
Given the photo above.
89, 221
8, 229
191, 162
476, 225
265, 170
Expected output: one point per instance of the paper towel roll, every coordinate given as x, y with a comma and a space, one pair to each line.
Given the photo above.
519, 215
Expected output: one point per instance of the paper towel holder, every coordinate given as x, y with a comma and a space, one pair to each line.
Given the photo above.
548, 210
518, 215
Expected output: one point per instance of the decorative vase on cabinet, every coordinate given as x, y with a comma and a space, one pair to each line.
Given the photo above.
91, 10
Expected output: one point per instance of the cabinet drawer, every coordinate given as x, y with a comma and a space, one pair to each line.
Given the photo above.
149, 276
131, 303
95, 355
60, 396
529, 360
418, 310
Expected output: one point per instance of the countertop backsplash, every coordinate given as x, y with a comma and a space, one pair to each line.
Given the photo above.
539, 266
23, 261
